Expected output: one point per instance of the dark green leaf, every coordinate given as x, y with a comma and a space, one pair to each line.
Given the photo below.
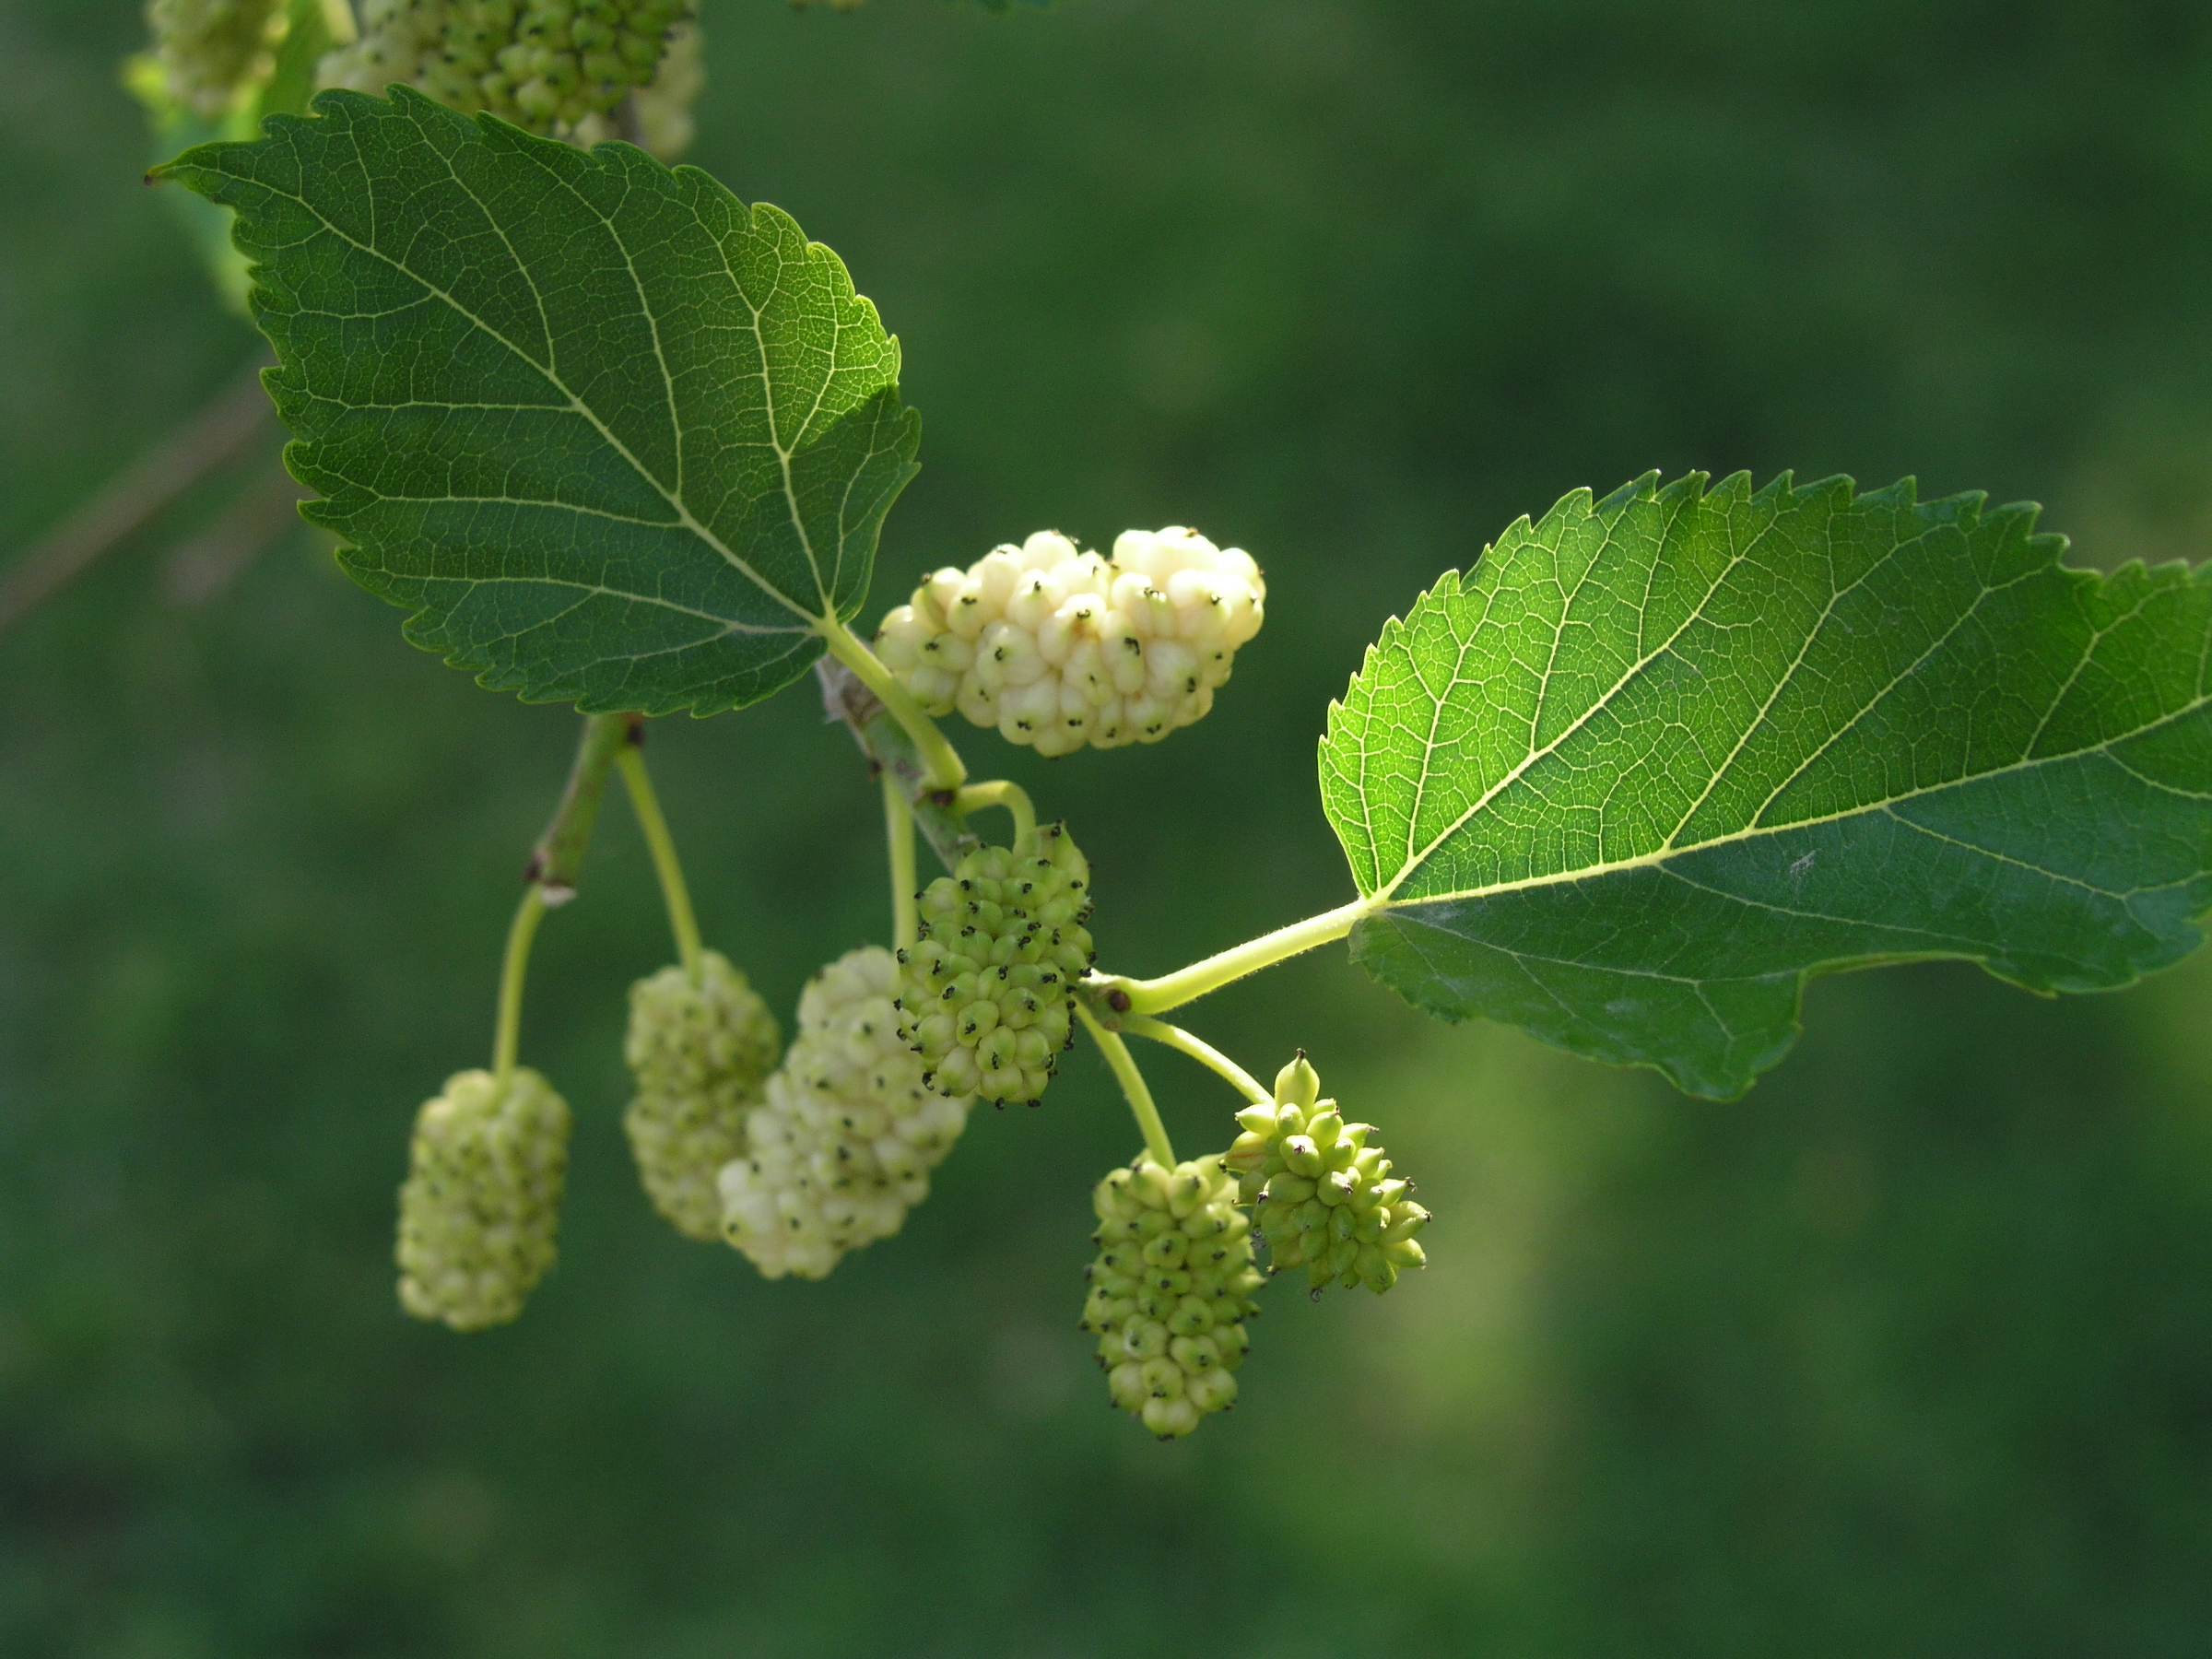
608, 432
1661, 757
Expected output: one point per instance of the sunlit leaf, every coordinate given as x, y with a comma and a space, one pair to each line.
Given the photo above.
1658, 759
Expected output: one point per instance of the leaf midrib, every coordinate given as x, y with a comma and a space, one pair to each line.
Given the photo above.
1659, 857
600, 590
1383, 896
768, 392
1414, 861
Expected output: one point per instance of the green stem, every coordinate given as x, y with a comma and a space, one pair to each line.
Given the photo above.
508, 1035
891, 750
942, 762
1171, 990
1000, 793
1204, 1052
673, 894
1133, 1085
558, 859
899, 829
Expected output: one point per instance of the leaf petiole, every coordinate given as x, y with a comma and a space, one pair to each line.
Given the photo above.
1000, 793
507, 1035
1204, 1052
1187, 984
1133, 1086
942, 761
674, 893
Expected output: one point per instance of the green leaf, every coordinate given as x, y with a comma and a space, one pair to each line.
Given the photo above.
1660, 758
610, 435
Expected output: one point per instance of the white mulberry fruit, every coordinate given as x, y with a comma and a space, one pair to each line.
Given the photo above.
1324, 1194
1169, 1290
481, 1204
987, 992
210, 50
1058, 649
843, 1147
701, 1054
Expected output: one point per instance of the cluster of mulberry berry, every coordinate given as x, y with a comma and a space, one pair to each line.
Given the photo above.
1326, 1198
844, 1146
987, 992
664, 104
549, 65
210, 49
395, 38
1058, 649
481, 1203
699, 1054
1171, 1289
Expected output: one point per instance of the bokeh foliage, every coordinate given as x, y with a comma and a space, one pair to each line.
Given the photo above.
1910, 1351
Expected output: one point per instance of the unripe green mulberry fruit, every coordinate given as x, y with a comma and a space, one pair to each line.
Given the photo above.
1058, 649
1324, 1194
1169, 1290
699, 1054
843, 1147
481, 1203
988, 990
558, 67
210, 50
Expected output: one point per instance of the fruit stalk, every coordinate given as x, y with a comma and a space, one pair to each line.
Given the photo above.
507, 1034
674, 893
1132, 1087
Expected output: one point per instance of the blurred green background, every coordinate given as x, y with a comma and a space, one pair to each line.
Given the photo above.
1908, 1353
